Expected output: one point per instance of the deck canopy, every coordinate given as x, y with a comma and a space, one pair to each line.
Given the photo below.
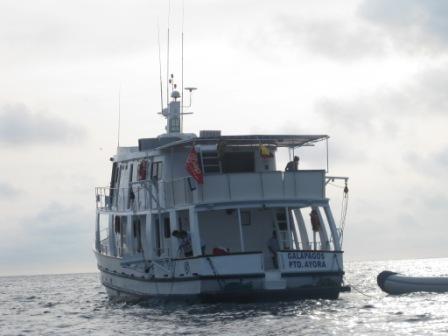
291, 141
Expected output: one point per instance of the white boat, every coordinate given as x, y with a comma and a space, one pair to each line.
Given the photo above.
194, 216
395, 283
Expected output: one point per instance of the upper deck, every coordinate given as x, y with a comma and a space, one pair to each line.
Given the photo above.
217, 190
235, 169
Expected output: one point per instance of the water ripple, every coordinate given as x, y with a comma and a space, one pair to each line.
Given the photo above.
76, 304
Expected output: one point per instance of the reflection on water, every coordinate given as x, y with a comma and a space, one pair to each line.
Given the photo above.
77, 304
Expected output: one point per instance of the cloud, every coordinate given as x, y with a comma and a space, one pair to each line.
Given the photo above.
382, 111
58, 233
7, 191
20, 126
442, 157
415, 25
432, 163
58, 220
334, 39
379, 26
54, 32
404, 122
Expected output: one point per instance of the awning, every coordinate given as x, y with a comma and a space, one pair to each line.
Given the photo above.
251, 140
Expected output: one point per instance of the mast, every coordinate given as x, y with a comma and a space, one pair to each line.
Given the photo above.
182, 71
174, 109
168, 56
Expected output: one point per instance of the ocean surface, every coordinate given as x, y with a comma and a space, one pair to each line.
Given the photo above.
76, 304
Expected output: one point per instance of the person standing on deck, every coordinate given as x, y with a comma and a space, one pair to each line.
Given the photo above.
293, 165
184, 242
274, 247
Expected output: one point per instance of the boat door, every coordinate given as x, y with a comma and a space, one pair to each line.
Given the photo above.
162, 235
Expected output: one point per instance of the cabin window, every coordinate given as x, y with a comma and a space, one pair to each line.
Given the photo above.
156, 170
136, 227
138, 234
120, 234
166, 227
131, 195
103, 228
142, 170
238, 162
245, 217
131, 173
117, 225
281, 221
157, 234
114, 177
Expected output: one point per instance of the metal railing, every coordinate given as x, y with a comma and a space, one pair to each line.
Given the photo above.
306, 184
134, 198
149, 195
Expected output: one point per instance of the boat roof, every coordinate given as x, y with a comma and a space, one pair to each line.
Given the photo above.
248, 140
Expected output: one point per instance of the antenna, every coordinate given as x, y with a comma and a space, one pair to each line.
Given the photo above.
182, 71
160, 68
168, 58
190, 90
119, 115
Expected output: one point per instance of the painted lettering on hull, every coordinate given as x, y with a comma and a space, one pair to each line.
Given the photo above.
308, 264
306, 255
307, 260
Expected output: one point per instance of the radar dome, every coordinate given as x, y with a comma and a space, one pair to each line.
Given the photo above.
175, 94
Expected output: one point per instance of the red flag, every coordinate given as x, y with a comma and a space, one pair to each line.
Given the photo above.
192, 166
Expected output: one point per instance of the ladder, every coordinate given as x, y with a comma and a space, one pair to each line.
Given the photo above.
210, 161
281, 225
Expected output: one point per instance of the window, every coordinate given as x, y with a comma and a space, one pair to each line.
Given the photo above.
238, 162
281, 221
117, 224
137, 228
157, 234
156, 170
166, 227
131, 195
245, 217
114, 176
131, 172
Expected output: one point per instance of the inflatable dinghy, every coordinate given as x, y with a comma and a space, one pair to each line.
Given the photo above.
394, 283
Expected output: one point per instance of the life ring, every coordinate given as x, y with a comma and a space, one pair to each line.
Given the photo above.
315, 221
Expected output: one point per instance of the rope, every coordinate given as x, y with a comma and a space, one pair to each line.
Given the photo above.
342, 221
173, 275
344, 208
344, 280
215, 273
361, 292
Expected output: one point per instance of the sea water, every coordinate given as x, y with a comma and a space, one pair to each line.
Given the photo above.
76, 304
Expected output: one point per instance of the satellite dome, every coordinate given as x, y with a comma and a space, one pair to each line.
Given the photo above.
175, 94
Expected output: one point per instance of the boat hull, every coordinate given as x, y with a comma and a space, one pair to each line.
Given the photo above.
128, 291
395, 284
126, 285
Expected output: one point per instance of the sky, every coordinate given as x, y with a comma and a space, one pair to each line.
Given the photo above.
372, 74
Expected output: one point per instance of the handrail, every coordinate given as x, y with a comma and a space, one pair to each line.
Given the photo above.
157, 195
332, 178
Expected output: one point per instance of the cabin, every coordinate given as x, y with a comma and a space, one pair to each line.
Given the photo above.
242, 199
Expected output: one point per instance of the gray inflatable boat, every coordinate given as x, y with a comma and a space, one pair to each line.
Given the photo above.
395, 283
